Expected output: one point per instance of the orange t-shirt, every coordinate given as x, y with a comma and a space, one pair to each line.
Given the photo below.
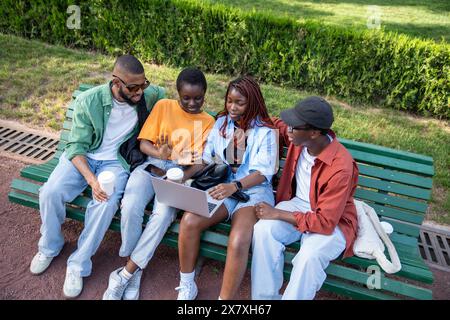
187, 132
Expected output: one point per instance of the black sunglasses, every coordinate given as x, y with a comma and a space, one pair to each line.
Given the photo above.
291, 129
134, 87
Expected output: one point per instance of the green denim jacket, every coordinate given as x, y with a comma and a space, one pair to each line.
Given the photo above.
90, 117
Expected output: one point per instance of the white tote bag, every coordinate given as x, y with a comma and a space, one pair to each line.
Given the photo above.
368, 243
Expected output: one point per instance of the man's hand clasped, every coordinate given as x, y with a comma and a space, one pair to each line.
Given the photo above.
265, 211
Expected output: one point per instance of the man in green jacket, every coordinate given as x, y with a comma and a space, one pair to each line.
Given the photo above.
105, 124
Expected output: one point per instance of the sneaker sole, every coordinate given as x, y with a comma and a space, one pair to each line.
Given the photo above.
137, 298
37, 274
71, 298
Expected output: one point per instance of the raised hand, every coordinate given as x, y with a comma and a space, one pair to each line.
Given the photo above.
164, 147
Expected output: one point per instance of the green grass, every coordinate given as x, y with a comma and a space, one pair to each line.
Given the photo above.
417, 18
37, 80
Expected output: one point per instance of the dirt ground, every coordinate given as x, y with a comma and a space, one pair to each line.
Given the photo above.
19, 235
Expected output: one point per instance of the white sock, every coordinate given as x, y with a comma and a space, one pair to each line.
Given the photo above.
125, 274
187, 277
220, 298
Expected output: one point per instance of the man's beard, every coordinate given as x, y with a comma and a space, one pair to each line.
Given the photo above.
125, 97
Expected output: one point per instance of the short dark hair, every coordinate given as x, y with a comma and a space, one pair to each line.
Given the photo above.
130, 64
193, 76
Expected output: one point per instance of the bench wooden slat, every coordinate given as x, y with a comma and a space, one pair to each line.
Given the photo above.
206, 250
402, 215
386, 283
398, 164
381, 198
384, 151
402, 227
23, 199
404, 239
335, 272
397, 188
65, 135
412, 272
67, 125
350, 290
35, 174
395, 176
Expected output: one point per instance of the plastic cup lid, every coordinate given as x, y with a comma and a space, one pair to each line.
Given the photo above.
106, 176
175, 174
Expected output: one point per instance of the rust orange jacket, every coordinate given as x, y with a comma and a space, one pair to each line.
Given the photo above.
334, 177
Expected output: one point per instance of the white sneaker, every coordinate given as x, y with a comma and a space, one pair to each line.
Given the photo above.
116, 286
73, 284
187, 290
132, 290
40, 263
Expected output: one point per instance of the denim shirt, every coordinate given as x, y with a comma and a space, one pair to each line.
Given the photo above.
261, 153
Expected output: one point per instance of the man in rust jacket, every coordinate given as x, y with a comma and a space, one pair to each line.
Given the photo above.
314, 204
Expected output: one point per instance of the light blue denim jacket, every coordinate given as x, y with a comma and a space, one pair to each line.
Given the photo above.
261, 153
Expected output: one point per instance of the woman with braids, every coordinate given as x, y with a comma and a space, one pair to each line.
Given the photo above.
244, 138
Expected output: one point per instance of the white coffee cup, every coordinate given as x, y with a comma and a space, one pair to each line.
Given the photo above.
107, 180
175, 175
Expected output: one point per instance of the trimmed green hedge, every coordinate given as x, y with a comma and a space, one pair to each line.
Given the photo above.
363, 67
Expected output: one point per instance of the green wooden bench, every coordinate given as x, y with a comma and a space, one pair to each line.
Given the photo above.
397, 184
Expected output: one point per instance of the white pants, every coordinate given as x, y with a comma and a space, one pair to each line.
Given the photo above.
308, 273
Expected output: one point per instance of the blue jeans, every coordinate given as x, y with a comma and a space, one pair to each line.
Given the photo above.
137, 244
64, 185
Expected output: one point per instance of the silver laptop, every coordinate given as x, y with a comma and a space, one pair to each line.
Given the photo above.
183, 197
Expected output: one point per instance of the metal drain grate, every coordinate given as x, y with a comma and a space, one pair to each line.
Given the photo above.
434, 246
27, 144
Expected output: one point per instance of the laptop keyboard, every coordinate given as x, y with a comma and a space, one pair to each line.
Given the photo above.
211, 206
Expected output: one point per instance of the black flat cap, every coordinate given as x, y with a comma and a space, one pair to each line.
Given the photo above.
315, 111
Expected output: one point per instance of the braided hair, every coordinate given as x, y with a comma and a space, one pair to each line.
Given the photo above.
256, 107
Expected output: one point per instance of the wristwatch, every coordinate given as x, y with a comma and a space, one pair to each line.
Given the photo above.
238, 185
